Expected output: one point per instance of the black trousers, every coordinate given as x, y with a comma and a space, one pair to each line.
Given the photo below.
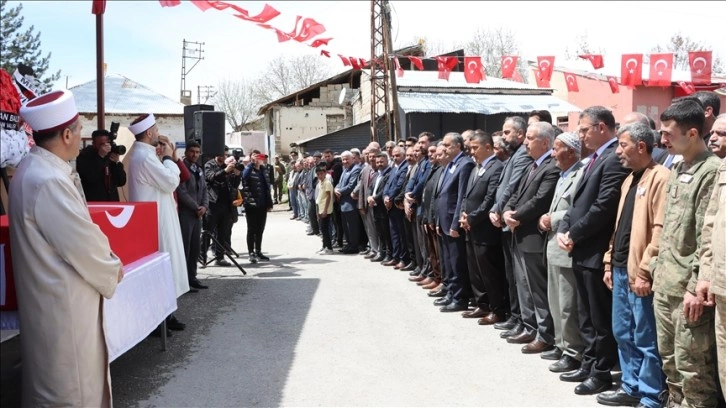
453, 256
191, 228
384, 233
351, 226
487, 276
277, 191
594, 312
325, 230
512, 296
313, 217
432, 249
338, 223
256, 220
219, 219
398, 235
409, 239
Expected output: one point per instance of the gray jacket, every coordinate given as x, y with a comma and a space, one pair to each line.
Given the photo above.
560, 203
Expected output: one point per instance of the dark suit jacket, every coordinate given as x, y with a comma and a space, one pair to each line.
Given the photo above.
429, 208
192, 193
395, 181
379, 211
532, 200
451, 193
479, 197
508, 181
591, 217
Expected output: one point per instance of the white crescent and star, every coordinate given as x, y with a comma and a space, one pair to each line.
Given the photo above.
699, 70
569, 77
665, 63
472, 66
627, 64
120, 221
542, 64
507, 61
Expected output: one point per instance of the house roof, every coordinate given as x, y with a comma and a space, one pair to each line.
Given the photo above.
347, 130
124, 96
611, 67
428, 79
485, 104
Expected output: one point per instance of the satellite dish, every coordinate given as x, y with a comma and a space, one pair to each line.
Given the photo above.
341, 97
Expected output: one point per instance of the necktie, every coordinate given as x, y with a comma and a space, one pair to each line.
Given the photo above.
531, 172
591, 164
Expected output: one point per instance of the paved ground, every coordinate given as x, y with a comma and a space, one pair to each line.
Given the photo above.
310, 330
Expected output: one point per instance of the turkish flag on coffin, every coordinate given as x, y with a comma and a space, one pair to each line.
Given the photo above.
571, 82
661, 69
509, 64
474, 71
700, 64
631, 70
545, 64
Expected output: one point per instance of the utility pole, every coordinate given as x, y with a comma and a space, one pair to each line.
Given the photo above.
383, 84
208, 93
192, 51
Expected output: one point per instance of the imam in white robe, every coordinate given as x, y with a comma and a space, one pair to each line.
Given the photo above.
63, 264
151, 180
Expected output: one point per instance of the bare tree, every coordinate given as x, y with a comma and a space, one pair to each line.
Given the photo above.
235, 97
582, 46
491, 45
285, 75
679, 45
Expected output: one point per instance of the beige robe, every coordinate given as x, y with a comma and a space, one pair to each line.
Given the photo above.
151, 180
63, 264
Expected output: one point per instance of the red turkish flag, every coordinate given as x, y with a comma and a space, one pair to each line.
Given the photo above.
205, 5
399, 70
613, 82
571, 81
346, 61
700, 64
474, 70
320, 41
355, 63
267, 14
687, 87
631, 70
169, 3
661, 69
362, 62
541, 82
445, 65
516, 76
325, 53
416, 61
509, 65
99, 7
546, 65
595, 59
310, 28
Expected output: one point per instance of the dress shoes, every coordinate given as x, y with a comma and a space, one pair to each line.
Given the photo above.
593, 385
564, 364
371, 255
489, 319
453, 307
379, 258
410, 267
438, 293
521, 338
414, 272
391, 262
475, 314
443, 301
347, 251
514, 331
536, 347
430, 286
418, 278
261, 257
578, 375
366, 252
173, 324
506, 325
554, 354
399, 266
197, 285
425, 281
618, 398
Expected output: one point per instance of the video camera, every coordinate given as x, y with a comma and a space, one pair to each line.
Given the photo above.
116, 148
237, 154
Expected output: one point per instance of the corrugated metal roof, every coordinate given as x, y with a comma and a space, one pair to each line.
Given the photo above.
124, 96
428, 79
344, 139
486, 104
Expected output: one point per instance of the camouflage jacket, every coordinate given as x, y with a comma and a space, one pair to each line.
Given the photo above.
713, 237
687, 196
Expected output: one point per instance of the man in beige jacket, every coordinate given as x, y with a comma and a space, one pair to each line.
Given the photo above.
63, 265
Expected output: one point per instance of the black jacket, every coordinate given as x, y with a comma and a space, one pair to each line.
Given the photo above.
219, 183
100, 176
480, 195
255, 187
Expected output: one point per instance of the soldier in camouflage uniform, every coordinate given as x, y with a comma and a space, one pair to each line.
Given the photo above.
685, 328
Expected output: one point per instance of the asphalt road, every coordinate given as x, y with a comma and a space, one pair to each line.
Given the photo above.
312, 330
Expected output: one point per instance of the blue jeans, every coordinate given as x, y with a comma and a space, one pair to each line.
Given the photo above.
634, 330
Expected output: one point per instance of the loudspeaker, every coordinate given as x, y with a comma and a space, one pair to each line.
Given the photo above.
209, 126
189, 119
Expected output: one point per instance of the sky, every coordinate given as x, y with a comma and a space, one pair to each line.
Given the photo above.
143, 41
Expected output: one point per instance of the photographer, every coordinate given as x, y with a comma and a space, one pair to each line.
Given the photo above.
257, 202
99, 167
223, 177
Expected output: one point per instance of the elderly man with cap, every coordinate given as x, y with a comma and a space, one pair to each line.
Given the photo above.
154, 179
63, 265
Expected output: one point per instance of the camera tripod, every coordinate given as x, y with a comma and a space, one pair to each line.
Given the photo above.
228, 252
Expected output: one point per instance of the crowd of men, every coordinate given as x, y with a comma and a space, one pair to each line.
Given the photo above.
597, 249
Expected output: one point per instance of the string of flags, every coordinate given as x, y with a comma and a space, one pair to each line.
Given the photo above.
307, 31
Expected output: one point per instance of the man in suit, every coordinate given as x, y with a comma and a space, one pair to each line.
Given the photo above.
349, 206
561, 286
413, 196
380, 213
399, 201
432, 271
513, 131
362, 192
585, 233
521, 214
193, 204
450, 195
394, 184
483, 240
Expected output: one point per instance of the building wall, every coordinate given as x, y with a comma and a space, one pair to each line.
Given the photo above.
293, 124
249, 140
596, 92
